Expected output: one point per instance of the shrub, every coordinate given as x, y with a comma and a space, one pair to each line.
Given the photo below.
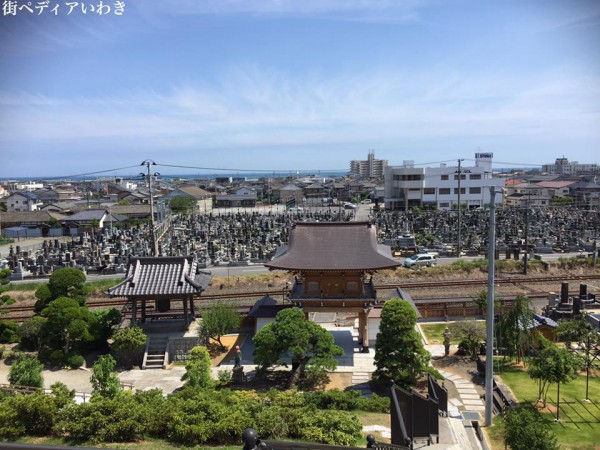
225, 377
101, 420
75, 361
63, 396
198, 369
525, 429
36, 412
270, 423
10, 425
104, 380
55, 358
155, 410
331, 427
128, 346
9, 332
26, 371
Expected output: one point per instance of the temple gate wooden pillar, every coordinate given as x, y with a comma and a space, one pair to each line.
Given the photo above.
133, 312
144, 311
185, 310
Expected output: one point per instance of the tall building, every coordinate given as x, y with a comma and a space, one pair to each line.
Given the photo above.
371, 168
407, 186
562, 166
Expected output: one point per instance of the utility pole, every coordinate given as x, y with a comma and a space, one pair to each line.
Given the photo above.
526, 257
459, 212
149, 163
489, 348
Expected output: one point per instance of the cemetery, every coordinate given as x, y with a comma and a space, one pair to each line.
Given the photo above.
237, 238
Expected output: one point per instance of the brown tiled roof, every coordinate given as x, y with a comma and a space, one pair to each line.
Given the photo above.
333, 246
162, 276
195, 191
130, 209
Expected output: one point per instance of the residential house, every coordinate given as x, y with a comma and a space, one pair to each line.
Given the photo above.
202, 198
23, 201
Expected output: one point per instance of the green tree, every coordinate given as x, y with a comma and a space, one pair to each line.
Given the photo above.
576, 330
219, 320
526, 429
104, 379
67, 325
470, 334
128, 346
26, 371
553, 364
198, 369
182, 204
310, 346
515, 328
399, 352
481, 298
94, 224
103, 324
30, 332
65, 282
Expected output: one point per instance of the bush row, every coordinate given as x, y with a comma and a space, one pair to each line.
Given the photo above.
189, 417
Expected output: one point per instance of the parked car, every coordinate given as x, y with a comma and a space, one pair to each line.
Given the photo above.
366, 201
349, 206
420, 260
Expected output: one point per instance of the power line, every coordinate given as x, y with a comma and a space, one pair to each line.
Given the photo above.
89, 173
223, 169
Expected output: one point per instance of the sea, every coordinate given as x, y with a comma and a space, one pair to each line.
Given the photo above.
192, 176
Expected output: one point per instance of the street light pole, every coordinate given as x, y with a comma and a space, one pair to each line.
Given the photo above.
459, 212
489, 348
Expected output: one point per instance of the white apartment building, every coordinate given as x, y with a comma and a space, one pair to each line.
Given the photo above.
407, 186
371, 168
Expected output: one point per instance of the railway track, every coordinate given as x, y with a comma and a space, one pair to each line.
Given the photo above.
25, 312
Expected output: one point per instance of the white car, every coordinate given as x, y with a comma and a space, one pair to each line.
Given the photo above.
420, 260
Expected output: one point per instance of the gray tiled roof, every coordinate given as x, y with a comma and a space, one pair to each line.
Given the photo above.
333, 246
87, 215
162, 276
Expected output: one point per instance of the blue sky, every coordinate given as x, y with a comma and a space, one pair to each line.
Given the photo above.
297, 84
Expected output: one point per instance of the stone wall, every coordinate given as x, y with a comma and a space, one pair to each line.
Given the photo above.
179, 348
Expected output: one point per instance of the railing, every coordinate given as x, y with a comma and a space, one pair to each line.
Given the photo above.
438, 393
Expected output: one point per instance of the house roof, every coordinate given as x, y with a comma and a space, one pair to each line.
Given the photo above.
333, 246
541, 321
130, 209
87, 215
555, 184
26, 194
193, 191
30, 216
162, 276
234, 197
289, 187
266, 307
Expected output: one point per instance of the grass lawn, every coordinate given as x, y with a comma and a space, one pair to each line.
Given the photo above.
579, 427
433, 333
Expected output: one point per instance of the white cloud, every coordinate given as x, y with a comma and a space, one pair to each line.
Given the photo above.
250, 106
